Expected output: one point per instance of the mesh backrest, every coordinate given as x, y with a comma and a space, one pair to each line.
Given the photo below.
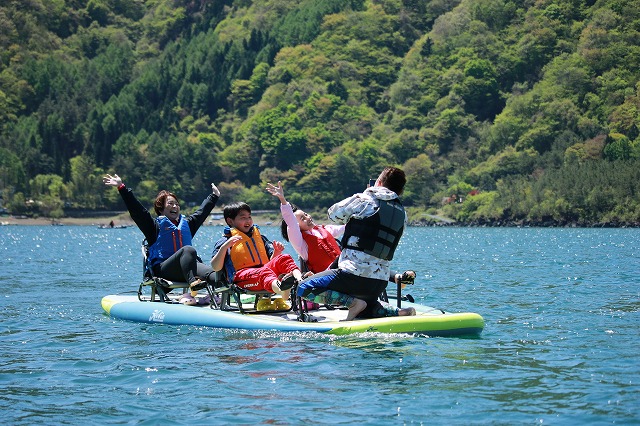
146, 270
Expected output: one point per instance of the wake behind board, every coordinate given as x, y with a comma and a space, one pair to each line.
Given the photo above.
428, 321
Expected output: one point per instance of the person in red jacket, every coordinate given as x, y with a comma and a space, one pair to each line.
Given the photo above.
315, 244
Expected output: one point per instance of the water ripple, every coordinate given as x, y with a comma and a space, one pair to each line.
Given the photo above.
561, 308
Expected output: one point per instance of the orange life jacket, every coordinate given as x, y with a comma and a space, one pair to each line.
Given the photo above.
250, 252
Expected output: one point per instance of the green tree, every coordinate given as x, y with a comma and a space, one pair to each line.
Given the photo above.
86, 182
620, 148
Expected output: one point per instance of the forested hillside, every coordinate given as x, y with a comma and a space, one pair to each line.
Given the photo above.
499, 111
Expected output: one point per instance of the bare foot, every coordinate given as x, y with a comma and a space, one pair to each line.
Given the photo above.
406, 312
355, 308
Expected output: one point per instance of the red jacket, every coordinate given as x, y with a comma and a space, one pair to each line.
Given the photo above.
321, 250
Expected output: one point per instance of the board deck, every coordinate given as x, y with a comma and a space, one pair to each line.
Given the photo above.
429, 321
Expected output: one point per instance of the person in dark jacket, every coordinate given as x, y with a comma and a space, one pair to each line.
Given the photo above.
169, 237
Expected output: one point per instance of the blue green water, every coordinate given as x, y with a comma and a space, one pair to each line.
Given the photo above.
560, 345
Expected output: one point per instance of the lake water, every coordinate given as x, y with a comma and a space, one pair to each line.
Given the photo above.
560, 345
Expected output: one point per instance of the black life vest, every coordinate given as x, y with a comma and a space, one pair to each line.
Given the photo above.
378, 235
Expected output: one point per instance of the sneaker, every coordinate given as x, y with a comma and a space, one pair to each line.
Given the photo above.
281, 305
188, 300
287, 282
265, 304
198, 284
204, 300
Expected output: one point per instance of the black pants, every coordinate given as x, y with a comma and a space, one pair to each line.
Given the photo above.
184, 265
367, 289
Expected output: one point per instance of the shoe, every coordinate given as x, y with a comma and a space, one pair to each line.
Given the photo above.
281, 305
311, 306
287, 282
265, 304
198, 284
188, 300
204, 300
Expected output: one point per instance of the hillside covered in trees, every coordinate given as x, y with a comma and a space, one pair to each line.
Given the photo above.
498, 110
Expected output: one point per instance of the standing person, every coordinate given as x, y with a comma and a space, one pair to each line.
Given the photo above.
169, 236
374, 222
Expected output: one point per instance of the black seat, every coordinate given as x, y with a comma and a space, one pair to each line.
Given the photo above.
159, 287
231, 299
298, 303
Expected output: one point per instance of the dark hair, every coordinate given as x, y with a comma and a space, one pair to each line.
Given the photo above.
230, 211
161, 200
283, 224
393, 179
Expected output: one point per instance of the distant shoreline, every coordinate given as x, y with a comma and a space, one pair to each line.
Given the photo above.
124, 220
118, 220
525, 224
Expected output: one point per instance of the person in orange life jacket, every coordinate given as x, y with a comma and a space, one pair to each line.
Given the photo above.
250, 259
316, 244
169, 236
375, 221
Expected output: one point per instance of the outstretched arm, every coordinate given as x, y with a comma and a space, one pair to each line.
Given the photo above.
293, 228
137, 211
199, 216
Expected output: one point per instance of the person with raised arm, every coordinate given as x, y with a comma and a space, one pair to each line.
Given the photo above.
169, 237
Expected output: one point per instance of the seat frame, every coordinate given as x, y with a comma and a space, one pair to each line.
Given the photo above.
300, 307
224, 295
231, 299
159, 287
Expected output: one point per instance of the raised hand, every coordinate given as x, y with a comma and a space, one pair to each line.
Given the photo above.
215, 190
278, 248
277, 191
112, 180
231, 241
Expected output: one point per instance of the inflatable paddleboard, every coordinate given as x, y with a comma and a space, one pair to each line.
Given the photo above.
427, 321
